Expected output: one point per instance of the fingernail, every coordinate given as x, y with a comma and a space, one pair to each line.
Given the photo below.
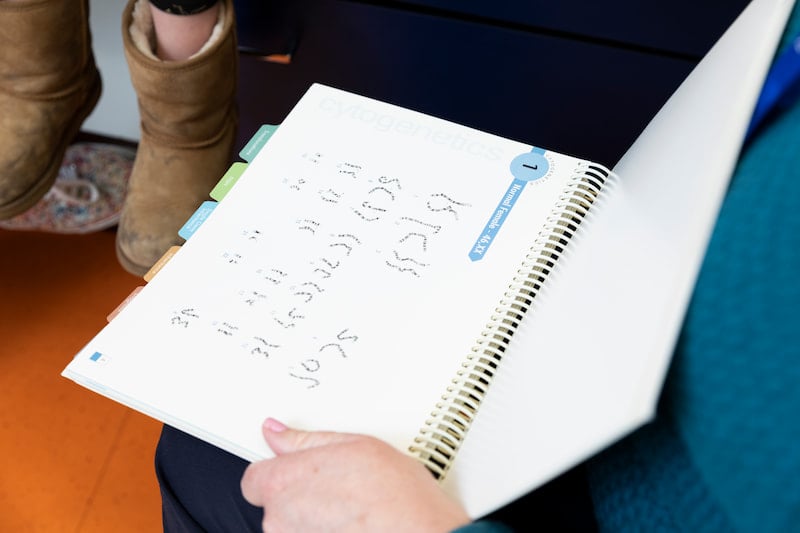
273, 425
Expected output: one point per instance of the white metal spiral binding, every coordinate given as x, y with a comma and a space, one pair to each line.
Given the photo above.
438, 441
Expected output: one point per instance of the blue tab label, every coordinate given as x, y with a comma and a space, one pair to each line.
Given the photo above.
197, 219
525, 168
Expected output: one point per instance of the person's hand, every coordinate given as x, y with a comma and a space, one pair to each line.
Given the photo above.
323, 481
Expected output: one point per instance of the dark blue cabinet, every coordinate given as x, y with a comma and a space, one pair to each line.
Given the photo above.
576, 76
680, 27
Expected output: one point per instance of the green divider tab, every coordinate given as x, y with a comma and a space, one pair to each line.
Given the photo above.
228, 180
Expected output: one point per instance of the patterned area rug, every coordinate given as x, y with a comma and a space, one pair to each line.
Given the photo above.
87, 195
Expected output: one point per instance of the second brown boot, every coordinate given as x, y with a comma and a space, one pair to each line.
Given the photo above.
188, 129
48, 85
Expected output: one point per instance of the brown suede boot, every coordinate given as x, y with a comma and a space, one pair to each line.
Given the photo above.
188, 129
48, 86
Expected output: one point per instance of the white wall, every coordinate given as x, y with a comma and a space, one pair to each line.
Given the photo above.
116, 115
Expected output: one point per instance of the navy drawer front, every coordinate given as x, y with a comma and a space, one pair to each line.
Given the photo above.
568, 95
681, 27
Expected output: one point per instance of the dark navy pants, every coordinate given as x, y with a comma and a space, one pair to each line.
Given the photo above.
200, 486
200, 492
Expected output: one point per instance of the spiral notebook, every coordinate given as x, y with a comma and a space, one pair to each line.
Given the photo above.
368, 261
381, 271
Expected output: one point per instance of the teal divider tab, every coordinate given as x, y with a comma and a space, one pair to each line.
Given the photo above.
255, 144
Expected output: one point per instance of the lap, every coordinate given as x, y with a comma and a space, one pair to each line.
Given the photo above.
200, 486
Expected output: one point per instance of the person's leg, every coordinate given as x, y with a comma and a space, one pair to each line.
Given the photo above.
188, 123
200, 486
181, 30
48, 85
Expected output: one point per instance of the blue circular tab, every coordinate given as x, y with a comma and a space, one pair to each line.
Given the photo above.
529, 166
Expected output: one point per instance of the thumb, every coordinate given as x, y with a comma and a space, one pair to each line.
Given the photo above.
283, 439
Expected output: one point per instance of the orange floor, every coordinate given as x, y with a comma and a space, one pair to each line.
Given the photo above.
70, 460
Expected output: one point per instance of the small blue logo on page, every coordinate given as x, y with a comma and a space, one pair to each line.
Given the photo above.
98, 357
